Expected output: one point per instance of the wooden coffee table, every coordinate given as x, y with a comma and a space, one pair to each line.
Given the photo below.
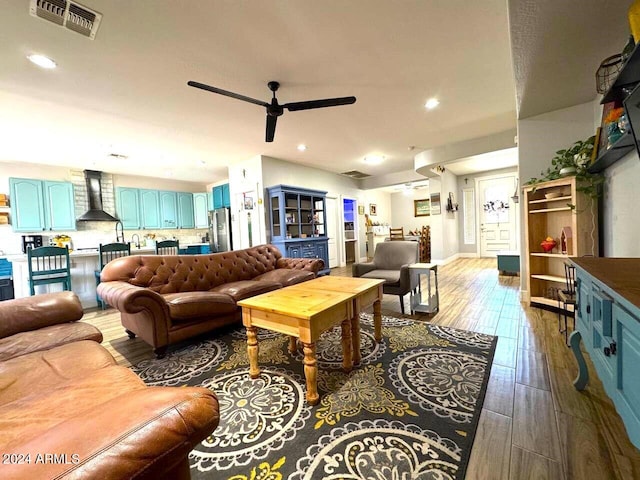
303, 313
364, 291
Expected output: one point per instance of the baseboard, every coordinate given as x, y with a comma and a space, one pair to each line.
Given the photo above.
468, 255
446, 260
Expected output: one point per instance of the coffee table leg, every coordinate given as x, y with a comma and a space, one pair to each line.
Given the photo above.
252, 351
311, 373
293, 345
377, 321
347, 363
355, 334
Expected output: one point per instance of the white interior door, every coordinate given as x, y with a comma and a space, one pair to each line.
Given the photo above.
497, 214
332, 231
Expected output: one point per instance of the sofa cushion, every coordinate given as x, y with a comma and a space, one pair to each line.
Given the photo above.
43, 408
40, 371
246, 288
188, 305
389, 276
46, 338
286, 276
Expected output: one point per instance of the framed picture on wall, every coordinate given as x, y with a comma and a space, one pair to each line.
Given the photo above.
372, 210
360, 209
435, 204
422, 207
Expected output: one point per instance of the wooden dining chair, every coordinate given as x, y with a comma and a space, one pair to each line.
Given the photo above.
396, 233
167, 247
106, 253
49, 265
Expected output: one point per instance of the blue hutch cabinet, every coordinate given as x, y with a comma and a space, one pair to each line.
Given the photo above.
608, 322
298, 222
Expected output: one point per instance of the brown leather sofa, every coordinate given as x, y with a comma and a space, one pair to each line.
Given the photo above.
68, 412
169, 298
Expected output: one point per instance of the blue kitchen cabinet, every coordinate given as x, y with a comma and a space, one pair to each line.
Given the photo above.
201, 210
150, 209
168, 209
27, 205
128, 207
185, 210
38, 205
608, 321
221, 196
298, 222
59, 206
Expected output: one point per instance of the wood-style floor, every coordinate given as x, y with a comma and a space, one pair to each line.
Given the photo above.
534, 424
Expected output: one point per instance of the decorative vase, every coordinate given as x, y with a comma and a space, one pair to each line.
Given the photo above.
567, 171
548, 245
613, 133
634, 20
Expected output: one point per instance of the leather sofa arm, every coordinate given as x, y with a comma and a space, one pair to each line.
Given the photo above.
359, 269
38, 311
310, 264
131, 299
142, 434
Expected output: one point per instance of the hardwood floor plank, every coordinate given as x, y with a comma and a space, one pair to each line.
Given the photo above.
532, 369
500, 391
529, 339
490, 456
534, 422
530, 466
584, 453
506, 352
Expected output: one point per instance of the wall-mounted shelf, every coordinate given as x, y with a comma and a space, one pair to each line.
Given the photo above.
629, 76
624, 145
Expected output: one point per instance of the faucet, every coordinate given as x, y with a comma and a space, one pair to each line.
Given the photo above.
120, 233
137, 242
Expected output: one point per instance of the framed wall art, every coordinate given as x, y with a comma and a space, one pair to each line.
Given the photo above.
372, 210
422, 207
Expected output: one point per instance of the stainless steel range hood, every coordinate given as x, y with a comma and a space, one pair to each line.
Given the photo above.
94, 194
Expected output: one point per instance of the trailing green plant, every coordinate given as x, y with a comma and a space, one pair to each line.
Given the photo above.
577, 156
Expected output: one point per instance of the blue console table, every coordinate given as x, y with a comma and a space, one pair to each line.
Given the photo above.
608, 322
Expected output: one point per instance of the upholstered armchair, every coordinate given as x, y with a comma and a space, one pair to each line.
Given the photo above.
391, 262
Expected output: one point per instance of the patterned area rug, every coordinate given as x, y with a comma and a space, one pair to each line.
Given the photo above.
409, 411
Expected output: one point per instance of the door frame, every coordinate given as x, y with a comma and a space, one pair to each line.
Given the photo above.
516, 210
356, 227
339, 227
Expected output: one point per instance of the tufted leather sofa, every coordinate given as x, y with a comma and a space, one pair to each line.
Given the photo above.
169, 298
67, 411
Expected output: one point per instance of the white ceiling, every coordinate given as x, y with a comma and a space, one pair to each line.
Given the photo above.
125, 92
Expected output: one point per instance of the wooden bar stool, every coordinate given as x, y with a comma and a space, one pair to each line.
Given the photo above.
106, 253
167, 247
396, 233
49, 265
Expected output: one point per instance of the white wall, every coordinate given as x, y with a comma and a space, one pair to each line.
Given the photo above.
246, 179
403, 211
621, 220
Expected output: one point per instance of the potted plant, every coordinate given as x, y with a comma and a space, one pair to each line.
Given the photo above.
574, 161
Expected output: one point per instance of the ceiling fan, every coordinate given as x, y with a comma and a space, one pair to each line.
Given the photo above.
274, 109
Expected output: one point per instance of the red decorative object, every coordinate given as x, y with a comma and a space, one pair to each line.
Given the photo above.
548, 245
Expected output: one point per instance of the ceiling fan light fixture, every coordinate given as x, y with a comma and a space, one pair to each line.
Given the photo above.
302, 147
42, 61
432, 103
374, 159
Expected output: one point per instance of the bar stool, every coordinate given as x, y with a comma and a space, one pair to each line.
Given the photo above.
396, 233
167, 247
49, 265
567, 296
106, 253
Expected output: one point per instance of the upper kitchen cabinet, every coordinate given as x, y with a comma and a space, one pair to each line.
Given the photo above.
168, 209
201, 210
38, 205
221, 196
185, 210
150, 209
128, 206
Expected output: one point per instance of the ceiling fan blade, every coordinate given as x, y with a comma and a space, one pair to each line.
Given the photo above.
271, 128
327, 102
226, 93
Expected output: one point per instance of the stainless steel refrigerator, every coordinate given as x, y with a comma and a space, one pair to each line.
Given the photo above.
220, 230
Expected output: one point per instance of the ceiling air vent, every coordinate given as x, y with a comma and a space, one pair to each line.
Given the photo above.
355, 174
70, 15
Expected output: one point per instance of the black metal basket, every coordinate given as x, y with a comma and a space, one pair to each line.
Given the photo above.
608, 72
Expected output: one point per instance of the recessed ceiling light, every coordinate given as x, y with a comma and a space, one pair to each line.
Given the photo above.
432, 103
203, 162
42, 61
374, 159
302, 147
